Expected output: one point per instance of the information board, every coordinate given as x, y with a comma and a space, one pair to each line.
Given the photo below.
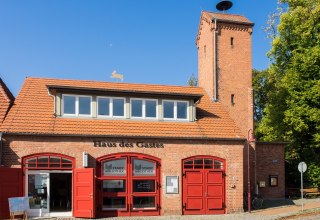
18, 204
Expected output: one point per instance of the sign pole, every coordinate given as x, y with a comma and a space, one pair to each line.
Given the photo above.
302, 167
302, 189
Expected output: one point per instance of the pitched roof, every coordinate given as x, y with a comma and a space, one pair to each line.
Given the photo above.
228, 17
32, 113
5, 92
6, 99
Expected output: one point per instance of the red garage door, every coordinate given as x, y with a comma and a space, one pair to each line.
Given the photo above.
10, 186
203, 186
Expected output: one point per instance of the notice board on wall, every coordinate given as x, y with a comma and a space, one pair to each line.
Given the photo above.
172, 184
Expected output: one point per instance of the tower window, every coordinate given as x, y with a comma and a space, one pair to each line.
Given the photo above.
232, 99
231, 41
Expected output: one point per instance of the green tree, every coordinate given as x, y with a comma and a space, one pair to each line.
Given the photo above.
292, 112
193, 80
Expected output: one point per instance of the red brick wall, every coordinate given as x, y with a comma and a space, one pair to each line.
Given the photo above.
234, 68
270, 161
15, 147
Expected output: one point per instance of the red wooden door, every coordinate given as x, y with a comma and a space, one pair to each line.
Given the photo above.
214, 192
83, 191
203, 186
193, 188
10, 186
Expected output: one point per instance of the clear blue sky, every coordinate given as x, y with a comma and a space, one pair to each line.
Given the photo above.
149, 41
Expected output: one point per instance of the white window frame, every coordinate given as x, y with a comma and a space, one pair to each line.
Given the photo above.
175, 110
111, 107
144, 109
77, 105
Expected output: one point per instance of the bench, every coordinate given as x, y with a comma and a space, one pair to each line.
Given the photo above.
311, 192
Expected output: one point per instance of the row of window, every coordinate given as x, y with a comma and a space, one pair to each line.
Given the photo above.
76, 105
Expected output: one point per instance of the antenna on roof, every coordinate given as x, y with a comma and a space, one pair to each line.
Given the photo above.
224, 6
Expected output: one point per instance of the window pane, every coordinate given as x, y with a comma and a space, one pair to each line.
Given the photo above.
37, 191
144, 186
143, 168
168, 108
104, 106
136, 108
118, 107
114, 168
114, 203
218, 164
144, 202
114, 185
84, 105
66, 160
55, 159
182, 110
151, 109
43, 161
69, 104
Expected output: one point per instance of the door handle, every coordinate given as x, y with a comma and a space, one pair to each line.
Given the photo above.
91, 195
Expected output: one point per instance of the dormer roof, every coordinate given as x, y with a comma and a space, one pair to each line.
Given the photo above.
32, 114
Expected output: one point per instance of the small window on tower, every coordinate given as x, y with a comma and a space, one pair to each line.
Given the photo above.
205, 50
232, 99
231, 41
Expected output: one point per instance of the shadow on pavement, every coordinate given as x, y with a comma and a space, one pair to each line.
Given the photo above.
276, 203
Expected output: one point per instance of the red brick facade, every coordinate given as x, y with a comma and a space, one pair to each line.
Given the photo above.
270, 162
230, 36
16, 147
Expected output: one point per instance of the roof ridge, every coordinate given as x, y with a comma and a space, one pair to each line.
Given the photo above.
224, 13
120, 83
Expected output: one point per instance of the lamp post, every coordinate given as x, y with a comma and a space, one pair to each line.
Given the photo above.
250, 139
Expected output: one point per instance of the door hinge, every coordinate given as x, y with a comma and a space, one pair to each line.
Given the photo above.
184, 174
158, 207
158, 185
224, 174
184, 206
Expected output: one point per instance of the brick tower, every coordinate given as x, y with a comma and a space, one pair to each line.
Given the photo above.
225, 64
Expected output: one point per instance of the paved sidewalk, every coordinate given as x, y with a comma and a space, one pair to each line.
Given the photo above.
309, 204
264, 214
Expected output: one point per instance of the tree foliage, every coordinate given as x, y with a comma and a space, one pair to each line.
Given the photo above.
292, 111
193, 80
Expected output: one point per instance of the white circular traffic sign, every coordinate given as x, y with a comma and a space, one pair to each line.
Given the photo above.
302, 167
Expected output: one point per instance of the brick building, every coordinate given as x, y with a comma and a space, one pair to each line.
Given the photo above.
86, 148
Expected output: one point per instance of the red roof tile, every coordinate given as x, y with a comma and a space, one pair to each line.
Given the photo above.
6, 99
32, 113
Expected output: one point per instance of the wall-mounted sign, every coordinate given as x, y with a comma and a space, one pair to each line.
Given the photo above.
143, 168
172, 184
262, 184
113, 184
114, 168
139, 144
